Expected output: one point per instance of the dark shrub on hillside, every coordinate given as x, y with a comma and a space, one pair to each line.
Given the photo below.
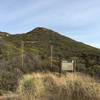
9, 79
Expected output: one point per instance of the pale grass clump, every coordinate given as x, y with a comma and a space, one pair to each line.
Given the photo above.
47, 86
80, 87
31, 87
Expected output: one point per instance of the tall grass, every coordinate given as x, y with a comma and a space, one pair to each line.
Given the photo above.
52, 87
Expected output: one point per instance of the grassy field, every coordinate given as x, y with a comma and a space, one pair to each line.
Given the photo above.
40, 86
48, 86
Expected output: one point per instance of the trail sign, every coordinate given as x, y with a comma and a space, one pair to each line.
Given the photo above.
67, 66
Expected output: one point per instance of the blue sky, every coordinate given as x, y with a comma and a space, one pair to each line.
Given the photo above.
78, 19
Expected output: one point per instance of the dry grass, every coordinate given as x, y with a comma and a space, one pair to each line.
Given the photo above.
39, 86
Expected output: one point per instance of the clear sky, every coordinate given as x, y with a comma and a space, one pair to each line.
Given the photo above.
78, 19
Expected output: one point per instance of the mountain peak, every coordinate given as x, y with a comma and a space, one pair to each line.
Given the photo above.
43, 31
40, 28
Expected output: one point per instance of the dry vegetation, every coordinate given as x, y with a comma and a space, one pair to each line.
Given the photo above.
39, 86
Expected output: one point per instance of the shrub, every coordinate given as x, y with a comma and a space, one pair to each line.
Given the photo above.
9, 79
31, 88
51, 87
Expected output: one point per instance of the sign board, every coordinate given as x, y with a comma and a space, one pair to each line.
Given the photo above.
67, 66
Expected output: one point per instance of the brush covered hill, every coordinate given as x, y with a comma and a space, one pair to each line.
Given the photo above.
37, 55
87, 56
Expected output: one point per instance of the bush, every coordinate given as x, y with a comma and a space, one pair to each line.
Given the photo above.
9, 79
31, 88
51, 87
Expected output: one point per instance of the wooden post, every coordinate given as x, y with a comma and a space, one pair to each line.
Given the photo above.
75, 65
8, 54
51, 48
22, 53
60, 67
22, 50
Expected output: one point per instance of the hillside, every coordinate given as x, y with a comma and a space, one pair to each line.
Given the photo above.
36, 56
63, 47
